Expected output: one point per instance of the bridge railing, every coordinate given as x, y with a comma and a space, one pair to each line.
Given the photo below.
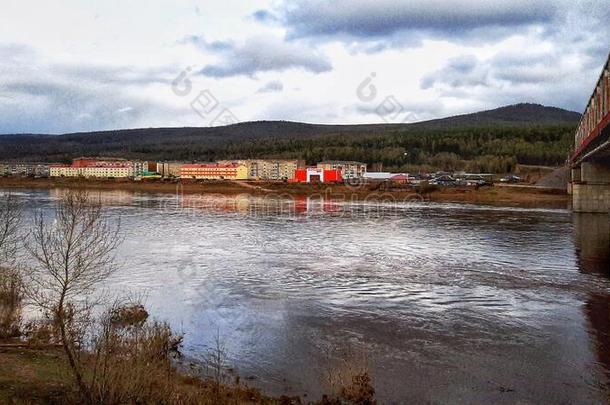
596, 116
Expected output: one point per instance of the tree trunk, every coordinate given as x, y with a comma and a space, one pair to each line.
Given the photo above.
71, 358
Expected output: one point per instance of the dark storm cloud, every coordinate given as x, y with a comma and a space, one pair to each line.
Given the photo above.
266, 54
370, 20
558, 65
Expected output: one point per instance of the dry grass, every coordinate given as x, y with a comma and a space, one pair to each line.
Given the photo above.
347, 377
11, 299
132, 361
30, 376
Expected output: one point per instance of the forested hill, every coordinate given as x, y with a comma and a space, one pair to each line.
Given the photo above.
513, 114
523, 133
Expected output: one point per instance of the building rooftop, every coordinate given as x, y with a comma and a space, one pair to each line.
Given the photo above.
97, 165
209, 166
377, 175
107, 159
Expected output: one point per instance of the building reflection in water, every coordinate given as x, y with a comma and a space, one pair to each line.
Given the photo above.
105, 197
259, 206
592, 241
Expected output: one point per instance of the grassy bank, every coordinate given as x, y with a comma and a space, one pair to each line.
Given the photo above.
498, 196
42, 376
33, 376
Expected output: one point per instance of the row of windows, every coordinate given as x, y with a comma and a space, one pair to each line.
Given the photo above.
188, 169
208, 174
97, 172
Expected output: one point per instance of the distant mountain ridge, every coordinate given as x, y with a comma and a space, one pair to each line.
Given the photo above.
193, 143
517, 113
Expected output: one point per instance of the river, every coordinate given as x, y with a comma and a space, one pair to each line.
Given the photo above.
444, 303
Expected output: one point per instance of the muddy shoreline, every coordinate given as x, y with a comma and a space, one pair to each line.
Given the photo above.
497, 196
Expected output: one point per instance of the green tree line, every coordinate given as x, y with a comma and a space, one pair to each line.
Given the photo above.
493, 149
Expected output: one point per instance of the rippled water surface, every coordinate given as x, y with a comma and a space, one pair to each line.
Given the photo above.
449, 303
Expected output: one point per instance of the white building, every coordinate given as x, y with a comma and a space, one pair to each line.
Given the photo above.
24, 169
271, 169
100, 169
349, 169
378, 176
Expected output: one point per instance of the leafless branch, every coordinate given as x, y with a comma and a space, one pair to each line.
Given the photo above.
71, 254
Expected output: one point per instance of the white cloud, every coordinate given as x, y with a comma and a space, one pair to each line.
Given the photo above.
529, 75
75, 65
51, 97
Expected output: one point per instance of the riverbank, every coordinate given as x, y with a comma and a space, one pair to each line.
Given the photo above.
526, 197
30, 375
33, 376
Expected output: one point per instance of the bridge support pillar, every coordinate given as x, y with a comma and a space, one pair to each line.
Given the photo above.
591, 188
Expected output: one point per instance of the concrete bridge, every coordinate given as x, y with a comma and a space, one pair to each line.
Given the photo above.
590, 161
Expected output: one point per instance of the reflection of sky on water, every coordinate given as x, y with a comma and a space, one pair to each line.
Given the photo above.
450, 302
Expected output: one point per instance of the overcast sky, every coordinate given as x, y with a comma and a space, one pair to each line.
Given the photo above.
80, 65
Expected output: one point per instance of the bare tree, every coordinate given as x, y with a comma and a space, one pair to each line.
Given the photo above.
10, 222
216, 362
71, 253
11, 286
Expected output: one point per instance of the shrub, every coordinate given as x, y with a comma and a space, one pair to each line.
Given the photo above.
11, 300
131, 360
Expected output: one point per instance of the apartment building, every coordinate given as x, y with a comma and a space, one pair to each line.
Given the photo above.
24, 169
60, 170
94, 168
348, 169
271, 169
168, 169
140, 167
214, 171
268, 169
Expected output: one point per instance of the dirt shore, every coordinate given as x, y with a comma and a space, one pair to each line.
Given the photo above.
498, 196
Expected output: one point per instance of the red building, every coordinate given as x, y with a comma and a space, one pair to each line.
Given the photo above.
99, 162
315, 175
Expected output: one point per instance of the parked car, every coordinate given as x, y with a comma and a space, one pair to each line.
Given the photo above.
476, 181
511, 179
444, 180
